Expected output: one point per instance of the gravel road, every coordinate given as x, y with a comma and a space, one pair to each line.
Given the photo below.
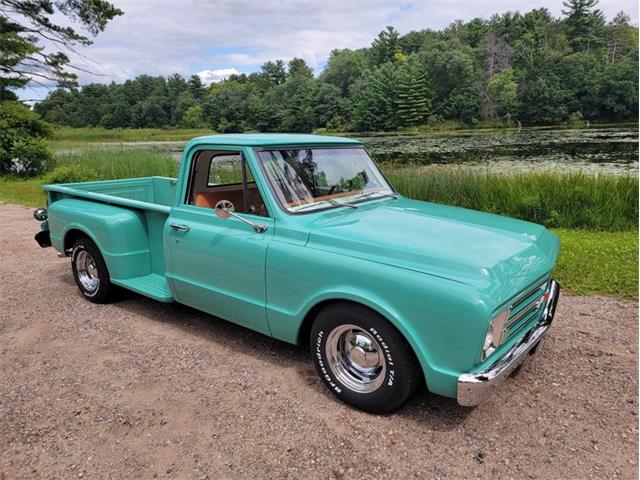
139, 389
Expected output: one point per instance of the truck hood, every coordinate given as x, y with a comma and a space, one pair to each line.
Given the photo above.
494, 253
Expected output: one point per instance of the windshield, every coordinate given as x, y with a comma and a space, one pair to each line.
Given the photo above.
310, 178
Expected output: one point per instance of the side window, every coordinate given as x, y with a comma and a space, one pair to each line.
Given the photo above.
225, 169
217, 176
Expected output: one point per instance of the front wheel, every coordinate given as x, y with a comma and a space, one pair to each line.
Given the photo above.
363, 359
90, 271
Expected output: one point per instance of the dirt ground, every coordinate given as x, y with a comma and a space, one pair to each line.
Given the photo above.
139, 389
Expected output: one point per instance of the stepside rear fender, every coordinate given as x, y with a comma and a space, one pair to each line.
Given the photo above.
120, 233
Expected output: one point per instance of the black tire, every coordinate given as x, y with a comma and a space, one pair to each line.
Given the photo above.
394, 383
85, 249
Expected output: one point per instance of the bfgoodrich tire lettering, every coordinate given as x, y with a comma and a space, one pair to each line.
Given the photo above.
362, 358
90, 271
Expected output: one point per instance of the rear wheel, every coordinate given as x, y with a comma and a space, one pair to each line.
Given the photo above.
90, 271
363, 359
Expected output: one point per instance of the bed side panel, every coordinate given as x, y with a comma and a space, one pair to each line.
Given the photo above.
119, 232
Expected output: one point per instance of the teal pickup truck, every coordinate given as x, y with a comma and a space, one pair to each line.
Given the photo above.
300, 237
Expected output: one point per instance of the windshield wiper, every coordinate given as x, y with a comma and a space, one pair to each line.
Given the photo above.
330, 202
381, 194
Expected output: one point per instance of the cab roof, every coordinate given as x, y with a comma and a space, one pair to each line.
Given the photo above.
271, 140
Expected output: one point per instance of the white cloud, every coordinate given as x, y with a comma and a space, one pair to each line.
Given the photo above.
209, 76
161, 37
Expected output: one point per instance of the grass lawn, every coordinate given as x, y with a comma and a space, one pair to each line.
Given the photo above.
24, 192
598, 262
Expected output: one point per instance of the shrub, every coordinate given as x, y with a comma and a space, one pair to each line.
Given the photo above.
70, 174
194, 117
23, 151
576, 120
30, 157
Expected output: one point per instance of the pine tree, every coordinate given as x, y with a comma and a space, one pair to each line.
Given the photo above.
414, 95
27, 25
385, 46
299, 68
375, 104
585, 24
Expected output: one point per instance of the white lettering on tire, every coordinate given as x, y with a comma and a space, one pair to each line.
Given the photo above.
326, 375
387, 353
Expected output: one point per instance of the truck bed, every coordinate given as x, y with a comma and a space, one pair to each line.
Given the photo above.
127, 227
146, 193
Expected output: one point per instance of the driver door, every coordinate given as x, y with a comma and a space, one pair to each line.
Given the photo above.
217, 265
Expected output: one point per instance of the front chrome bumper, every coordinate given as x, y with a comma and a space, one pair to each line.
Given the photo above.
475, 387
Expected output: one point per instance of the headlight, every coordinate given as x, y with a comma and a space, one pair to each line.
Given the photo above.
493, 339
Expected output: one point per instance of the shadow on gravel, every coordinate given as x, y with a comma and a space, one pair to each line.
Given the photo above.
431, 411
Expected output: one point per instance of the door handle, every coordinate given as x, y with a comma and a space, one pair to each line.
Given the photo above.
182, 228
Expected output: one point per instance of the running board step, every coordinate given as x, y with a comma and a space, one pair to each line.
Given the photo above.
153, 285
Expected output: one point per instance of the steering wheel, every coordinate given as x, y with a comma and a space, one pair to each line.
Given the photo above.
225, 205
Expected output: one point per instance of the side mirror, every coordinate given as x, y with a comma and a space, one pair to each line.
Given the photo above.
225, 209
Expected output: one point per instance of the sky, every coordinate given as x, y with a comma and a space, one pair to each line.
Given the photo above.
216, 38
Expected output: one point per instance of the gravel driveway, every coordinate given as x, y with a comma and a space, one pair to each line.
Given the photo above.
139, 389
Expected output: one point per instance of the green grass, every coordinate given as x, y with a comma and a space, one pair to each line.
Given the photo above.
89, 163
598, 262
97, 134
120, 162
561, 200
24, 192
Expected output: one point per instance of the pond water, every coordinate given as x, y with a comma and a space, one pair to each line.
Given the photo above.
612, 150
608, 150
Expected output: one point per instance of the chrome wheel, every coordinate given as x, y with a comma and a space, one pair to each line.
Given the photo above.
87, 271
356, 358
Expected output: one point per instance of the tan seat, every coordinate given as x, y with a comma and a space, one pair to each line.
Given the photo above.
233, 193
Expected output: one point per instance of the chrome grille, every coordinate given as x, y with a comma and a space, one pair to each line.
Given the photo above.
525, 308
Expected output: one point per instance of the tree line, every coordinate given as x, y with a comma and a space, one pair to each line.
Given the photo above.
529, 68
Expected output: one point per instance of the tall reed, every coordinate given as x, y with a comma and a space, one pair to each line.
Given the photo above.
570, 200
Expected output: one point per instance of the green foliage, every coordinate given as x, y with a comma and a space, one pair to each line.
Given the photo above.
572, 200
514, 68
344, 68
374, 105
414, 95
503, 90
105, 163
89, 164
584, 24
385, 46
23, 60
24, 192
598, 262
619, 90
193, 117
70, 174
23, 151
576, 120
273, 73
72, 136
453, 75
299, 68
